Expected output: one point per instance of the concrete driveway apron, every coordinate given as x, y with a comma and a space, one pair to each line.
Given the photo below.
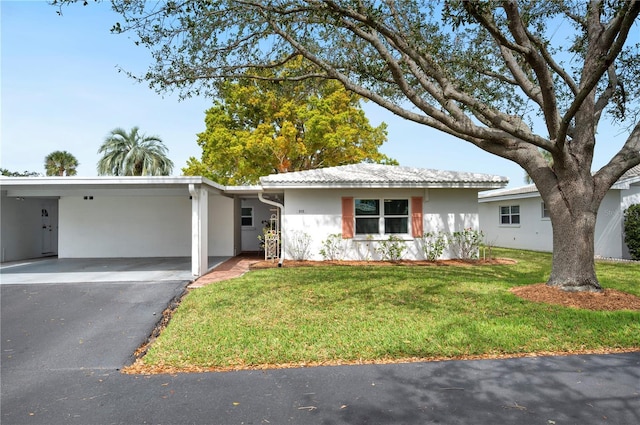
87, 270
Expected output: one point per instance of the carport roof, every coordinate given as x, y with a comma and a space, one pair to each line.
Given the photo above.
52, 186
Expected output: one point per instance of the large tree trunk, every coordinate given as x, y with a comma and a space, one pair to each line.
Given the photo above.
573, 267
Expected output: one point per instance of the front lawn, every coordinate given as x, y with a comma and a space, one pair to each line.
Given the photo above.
344, 314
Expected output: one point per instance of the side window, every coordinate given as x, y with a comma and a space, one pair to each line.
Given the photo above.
367, 216
510, 214
544, 212
246, 216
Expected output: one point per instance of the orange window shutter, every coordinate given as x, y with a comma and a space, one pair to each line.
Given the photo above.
417, 228
347, 218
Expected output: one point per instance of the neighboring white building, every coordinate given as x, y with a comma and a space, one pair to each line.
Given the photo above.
112, 217
517, 218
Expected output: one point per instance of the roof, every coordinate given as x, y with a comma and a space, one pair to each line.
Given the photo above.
346, 176
516, 192
633, 172
380, 176
630, 177
58, 186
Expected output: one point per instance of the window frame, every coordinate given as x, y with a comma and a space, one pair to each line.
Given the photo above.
510, 215
382, 218
543, 210
243, 216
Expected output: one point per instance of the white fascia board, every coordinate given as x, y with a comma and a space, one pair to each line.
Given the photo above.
39, 186
102, 179
509, 197
211, 183
243, 190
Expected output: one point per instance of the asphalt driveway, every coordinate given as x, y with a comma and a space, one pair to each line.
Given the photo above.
64, 343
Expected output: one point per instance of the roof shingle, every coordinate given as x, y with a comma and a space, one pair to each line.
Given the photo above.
379, 175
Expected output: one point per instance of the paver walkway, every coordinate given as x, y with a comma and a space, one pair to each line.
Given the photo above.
233, 267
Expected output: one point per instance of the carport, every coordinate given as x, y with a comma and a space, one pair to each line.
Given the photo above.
119, 217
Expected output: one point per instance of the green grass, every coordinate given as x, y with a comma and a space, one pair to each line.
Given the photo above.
333, 314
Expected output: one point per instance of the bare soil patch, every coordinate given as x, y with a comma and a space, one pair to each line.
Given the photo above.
607, 300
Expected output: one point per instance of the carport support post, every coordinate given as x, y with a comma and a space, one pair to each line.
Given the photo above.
199, 230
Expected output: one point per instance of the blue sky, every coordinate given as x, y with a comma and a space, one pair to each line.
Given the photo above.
61, 90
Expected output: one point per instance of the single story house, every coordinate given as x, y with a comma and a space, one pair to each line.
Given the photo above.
116, 217
366, 203
518, 218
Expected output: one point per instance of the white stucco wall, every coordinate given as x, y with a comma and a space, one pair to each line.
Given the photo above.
221, 226
450, 210
318, 213
21, 228
125, 226
608, 235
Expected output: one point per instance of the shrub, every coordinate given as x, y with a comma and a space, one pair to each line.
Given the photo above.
392, 248
433, 244
487, 248
466, 243
632, 230
333, 247
297, 245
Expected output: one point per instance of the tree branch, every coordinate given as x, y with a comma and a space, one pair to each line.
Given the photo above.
538, 64
606, 96
627, 157
610, 41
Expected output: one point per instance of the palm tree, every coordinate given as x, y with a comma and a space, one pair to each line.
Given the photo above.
60, 163
133, 154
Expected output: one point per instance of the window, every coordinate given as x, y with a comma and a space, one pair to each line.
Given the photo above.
367, 216
393, 219
510, 215
246, 216
544, 211
396, 216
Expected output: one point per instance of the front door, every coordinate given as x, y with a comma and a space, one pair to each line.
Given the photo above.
47, 232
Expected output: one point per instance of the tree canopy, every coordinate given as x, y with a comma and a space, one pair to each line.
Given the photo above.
260, 127
133, 154
60, 163
510, 77
8, 173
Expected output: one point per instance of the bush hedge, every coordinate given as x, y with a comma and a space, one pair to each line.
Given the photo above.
632, 230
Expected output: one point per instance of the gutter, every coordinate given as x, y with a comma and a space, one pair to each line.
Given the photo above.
280, 207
